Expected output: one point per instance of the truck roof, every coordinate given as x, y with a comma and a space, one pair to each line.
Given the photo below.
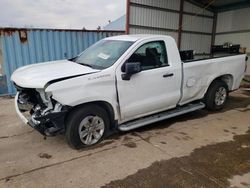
133, 38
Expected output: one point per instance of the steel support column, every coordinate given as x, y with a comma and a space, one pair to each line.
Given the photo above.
127, 16
213, 30
180, 23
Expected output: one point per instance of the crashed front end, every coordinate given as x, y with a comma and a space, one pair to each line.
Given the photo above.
37, 109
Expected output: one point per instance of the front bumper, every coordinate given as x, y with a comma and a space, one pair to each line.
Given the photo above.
23, 118
49, 124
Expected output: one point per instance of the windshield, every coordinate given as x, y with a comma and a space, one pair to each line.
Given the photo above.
103, 54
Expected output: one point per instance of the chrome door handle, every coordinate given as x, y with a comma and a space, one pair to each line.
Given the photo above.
168, 75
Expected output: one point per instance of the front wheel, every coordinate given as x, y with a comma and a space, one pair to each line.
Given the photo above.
216, 95
86, 126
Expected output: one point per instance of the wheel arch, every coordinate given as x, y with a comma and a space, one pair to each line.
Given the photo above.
210, 95
227, 78
103, 104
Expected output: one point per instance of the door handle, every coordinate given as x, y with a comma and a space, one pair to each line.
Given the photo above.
168, 75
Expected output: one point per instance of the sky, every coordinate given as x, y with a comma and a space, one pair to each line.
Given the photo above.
60, 14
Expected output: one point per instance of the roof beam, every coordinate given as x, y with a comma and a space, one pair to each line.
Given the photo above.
233, 6
197, 3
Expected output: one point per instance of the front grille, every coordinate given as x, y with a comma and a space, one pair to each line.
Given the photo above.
29, 95
33, 109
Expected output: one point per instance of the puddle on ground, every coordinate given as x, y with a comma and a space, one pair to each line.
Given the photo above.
130, 145
208, 166
183, 133
44, 155
127, 138
187, 138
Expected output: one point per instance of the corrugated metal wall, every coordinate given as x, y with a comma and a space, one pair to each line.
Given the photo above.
141, 16
162, 17
19, 47
135, 30
169, 4
234, 20
196, 42
144, 18
189, 7
198, 24
151, 17
200, 41
234, 26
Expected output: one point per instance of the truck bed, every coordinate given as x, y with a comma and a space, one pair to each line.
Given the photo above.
201, 71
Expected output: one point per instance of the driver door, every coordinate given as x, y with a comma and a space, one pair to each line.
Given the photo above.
155, 88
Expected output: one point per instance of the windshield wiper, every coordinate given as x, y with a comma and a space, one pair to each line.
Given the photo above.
72, 59
85, 64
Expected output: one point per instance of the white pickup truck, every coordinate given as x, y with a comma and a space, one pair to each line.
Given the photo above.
121, 83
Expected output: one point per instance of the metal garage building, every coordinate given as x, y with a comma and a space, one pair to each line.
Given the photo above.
195, 24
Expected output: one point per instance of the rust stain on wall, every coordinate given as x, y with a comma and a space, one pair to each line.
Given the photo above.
7, 31
10, 31
23, 36
23, 33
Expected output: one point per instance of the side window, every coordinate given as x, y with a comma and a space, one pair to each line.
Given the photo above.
150, 55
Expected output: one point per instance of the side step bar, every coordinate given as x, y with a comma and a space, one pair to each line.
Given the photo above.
160, 116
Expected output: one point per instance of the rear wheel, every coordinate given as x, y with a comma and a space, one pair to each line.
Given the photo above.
216, 95
86, 126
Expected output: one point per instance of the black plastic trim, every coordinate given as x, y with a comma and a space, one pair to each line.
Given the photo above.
55, 121
190, 61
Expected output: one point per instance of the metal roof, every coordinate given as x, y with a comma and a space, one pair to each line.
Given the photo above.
222, 5
118, 24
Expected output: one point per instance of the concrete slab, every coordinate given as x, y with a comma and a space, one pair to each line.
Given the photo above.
91, 170
27, 160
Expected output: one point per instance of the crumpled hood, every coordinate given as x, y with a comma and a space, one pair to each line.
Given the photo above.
37, 75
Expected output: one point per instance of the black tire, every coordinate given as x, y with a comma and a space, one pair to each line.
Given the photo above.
210, 97
78, 115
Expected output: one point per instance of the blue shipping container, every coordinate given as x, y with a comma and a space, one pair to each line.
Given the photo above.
19, 47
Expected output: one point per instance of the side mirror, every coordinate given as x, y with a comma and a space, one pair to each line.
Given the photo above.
130, 69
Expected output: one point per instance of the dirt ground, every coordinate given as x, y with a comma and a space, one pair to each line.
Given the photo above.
200, 149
